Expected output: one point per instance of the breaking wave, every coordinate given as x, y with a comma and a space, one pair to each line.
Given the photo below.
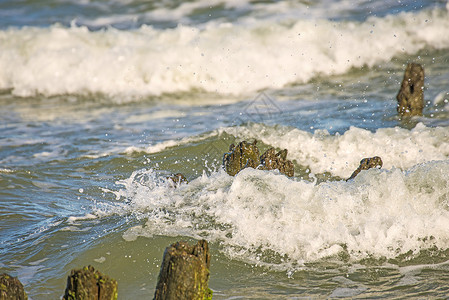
223, 58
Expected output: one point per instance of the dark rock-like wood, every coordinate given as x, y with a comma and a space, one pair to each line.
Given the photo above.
11, 288
88, 283
271, 160
246, 155
184, 272
367, 163
242, 156
411, 95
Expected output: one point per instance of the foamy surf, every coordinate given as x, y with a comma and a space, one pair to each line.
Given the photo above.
339, 154
321, 152
380, 214
222, 58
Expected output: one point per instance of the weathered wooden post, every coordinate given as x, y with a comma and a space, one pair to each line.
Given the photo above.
411, 95
89, 284
11, 288
184, 272
246, 155
367, 163
242, 156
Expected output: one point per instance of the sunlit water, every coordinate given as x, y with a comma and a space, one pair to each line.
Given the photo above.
99, 103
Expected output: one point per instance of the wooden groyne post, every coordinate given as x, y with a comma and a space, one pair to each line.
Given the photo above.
11, 288
411, 94
88, 283
184, 272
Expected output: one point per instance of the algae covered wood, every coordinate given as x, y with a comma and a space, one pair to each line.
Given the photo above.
242, 156
11, 288
271, 160
184, 272
411, 94
366, 164
89, 284
247, 155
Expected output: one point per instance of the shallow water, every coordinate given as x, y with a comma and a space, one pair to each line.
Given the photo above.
99, 103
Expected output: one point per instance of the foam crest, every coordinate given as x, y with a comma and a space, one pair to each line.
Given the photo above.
222, 58
340, 154
382, 213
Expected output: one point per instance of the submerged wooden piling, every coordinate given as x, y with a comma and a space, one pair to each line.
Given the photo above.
246, 155
366, 164
411, 94
184, 272
11, 288
88, 283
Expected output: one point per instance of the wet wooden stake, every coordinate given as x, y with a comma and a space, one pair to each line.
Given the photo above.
367, 163
88, 283
411, 95
11, 288
184, 272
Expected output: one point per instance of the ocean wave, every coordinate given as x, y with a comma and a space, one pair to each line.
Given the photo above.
223, 58
340, 154
321, 152
266, 218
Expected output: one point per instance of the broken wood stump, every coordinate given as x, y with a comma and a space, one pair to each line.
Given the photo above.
242, 156
247, 155
88, 283
411, 94
271, 160
184, 272
11, 288
367, 163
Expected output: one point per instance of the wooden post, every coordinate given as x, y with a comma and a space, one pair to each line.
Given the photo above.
11, 288
411, 95
88, 283
367, 163
184, 272
246, 155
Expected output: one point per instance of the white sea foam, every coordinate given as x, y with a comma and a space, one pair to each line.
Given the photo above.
221, 58
382, 213
341, 154
73, 220
100, 260
338, 154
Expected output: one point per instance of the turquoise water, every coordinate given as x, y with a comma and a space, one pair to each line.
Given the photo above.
100, 102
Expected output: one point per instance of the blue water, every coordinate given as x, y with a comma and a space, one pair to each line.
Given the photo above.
168, 14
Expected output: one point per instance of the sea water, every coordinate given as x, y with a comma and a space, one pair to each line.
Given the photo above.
101, 101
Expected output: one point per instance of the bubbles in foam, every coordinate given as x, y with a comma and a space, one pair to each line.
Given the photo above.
382, 213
